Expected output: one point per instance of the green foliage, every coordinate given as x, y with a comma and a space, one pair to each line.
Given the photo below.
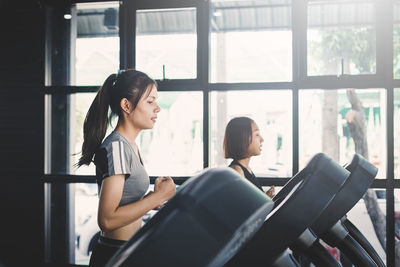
357, 46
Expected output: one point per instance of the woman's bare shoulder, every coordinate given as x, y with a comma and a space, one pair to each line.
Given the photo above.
238, 169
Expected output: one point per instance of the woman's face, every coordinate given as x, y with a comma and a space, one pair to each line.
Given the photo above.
256, 141
144, 116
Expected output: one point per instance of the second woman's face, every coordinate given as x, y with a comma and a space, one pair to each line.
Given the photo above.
145, 114
256, 141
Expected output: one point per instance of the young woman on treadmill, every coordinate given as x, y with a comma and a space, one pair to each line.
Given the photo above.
130, 95
242, 141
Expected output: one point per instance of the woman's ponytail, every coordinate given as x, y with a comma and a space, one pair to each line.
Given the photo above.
96, 122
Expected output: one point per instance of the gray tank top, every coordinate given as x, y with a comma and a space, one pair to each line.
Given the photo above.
116, 156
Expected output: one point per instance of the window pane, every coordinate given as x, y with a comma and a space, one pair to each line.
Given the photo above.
166, 43
251, 43
272, 111
396, 39
173, 147
397, 219
324, 126
341, 37
97, 43
79, 106
86, 227
361, 215
396, 128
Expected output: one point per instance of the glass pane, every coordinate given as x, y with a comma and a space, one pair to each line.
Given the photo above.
397, 221
79, 106
86, 227
396, 128
272, 111
341, 37
97, 43
361, 216
396, 40
166, 43
173, 147
327, 123
251, 43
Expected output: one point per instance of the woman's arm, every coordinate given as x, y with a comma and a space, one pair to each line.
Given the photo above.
112, 216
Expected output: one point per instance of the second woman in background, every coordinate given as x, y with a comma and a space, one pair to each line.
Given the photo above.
242, 141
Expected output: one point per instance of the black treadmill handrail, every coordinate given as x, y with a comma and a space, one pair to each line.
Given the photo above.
295, 210
329, 226
362, 175
364, 243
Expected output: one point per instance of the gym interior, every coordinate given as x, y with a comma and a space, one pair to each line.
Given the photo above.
321, 78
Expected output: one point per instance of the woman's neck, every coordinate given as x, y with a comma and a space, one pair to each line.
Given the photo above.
245, 162
128, 131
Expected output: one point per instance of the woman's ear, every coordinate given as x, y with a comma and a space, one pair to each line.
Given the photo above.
126, 105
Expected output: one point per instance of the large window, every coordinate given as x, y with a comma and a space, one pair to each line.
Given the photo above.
341, 37
97, 43
272, 112
86, 228
312, 74
251, 43
173, 146
166, 43
397, 219
396, 40
396, 119
331, 122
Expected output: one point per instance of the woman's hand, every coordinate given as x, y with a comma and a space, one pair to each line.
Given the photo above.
271, 192
165, 187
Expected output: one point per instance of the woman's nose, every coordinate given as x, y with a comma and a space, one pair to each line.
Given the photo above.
157, 108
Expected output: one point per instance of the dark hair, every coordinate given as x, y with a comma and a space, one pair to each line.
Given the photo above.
129, 84
238, 134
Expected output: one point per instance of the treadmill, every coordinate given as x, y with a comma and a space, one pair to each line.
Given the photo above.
297, 206
204, 224
218, 218
332, 225
335, 229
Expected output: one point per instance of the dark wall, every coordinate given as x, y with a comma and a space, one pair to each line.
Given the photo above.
21, 133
